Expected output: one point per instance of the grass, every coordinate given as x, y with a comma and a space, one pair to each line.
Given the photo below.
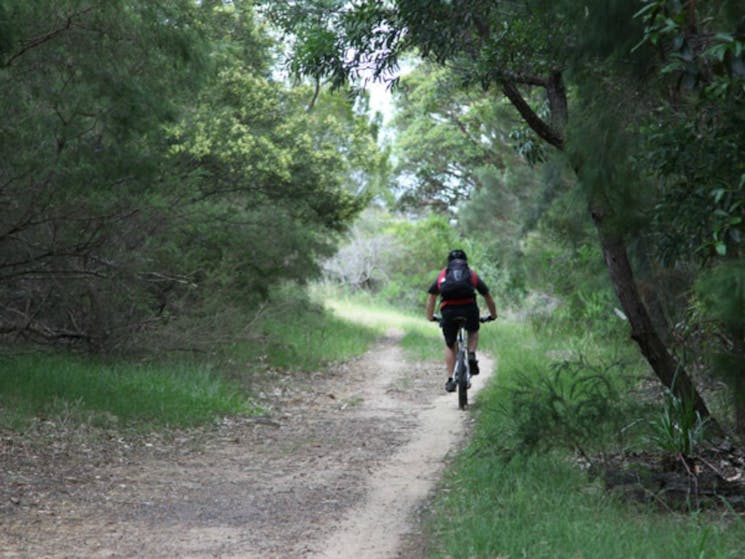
421, 339
174, 393
315, 340
541, 506
152, 395
497, 504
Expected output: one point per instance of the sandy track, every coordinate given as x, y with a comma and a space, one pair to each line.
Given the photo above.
338, 469
373, 529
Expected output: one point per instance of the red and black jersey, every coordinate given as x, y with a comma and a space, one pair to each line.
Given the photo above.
478, 285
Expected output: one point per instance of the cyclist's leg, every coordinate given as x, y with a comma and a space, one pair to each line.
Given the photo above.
472, 326
473, 341
449, 359
450, 366
450, 333
473, 344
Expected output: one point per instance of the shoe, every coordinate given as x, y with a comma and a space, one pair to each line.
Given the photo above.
450, 385
473, 366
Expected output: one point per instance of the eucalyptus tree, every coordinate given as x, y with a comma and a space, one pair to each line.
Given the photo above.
153, 169
515, 47
692, 150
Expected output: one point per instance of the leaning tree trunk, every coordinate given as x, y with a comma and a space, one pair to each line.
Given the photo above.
643, 332
666, 367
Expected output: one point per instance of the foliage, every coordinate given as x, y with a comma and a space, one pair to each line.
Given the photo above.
693, 145
722, 292
154, 167
496, 501
114, 395
450, 141
397, 258
168, 391
575, 405
678, 428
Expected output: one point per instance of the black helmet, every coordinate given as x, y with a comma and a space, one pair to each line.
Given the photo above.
457, 254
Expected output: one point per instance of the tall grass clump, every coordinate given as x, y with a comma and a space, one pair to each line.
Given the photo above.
131, 394
678, 428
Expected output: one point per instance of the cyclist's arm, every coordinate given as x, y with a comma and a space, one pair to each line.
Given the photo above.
431, 301
491, 305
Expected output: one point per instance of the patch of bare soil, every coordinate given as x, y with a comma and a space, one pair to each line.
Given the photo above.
338, 467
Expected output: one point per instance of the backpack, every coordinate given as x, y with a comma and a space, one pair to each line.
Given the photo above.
457, 281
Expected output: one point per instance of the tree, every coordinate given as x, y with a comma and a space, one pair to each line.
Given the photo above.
85, 90
519, 46
694, 149
153, 170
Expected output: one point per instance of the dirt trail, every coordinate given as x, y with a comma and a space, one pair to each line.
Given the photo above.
338, 468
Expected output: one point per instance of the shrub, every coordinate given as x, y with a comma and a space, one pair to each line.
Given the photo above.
578, 405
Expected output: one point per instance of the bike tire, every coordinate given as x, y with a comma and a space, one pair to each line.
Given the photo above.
462, 385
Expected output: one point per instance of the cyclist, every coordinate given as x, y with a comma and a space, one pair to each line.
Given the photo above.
457, 285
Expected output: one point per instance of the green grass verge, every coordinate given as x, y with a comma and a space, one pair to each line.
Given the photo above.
173, 393
498, 501
316, 340
86, 390
421, 339
305, 340
541, 506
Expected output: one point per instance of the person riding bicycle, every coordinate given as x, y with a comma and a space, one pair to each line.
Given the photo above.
457, 285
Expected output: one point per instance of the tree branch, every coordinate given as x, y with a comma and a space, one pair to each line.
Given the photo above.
316, 91
536, 123
37, 41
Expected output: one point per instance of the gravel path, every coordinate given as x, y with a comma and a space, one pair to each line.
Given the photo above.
339, 468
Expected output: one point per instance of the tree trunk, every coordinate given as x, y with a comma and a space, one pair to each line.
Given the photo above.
668, 370
738, 383
643, 332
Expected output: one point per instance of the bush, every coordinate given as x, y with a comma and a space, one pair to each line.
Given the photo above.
575, 404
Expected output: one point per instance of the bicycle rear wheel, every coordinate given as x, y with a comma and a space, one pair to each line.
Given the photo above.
462, 382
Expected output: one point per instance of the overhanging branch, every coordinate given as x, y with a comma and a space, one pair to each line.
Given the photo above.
536, 123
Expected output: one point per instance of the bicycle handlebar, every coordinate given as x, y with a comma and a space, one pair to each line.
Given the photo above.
487, 318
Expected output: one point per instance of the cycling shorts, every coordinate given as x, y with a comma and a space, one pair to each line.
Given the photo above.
450, 327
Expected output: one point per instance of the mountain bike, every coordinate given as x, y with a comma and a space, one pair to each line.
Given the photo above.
462, 370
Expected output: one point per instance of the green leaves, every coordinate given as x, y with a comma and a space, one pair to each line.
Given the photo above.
678, 428
699, 50
574, 405
153, 169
